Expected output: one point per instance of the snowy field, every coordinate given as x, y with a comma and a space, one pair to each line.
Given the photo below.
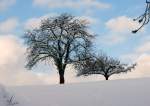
105, 93
7, 99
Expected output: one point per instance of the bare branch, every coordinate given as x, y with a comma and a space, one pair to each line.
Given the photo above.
144, 18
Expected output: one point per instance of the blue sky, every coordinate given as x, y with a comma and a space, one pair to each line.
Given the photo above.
111, 20
28, 9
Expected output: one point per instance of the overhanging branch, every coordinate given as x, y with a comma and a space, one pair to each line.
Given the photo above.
144, 18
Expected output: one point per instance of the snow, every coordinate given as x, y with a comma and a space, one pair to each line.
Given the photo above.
2, 95
6, 99
105, 93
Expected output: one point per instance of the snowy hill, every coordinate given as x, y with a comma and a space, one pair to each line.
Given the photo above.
106, 93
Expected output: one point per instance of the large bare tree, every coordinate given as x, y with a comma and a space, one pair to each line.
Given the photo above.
62, 39
103, 65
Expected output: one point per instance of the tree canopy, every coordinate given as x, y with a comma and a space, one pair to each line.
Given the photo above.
62, 39
103, 65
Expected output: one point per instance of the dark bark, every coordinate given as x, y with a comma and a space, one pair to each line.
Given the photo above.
61, 77
106, 77
62, 80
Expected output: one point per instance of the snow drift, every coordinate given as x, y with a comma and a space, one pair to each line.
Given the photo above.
106, 93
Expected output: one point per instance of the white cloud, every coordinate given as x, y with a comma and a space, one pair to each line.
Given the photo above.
12, 71
8, 25
71, 3
141, 55
144, 47
140, 50
4, 4
119, 30
121, 24
32, 23
143, 66
9, 48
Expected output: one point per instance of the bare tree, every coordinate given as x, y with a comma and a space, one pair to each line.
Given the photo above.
144, 18
62, 39
103, 65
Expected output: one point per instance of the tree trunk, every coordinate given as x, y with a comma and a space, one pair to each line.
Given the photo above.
61, 77
62, 80
106, 77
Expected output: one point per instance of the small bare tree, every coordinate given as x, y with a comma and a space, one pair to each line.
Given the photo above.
62, 39
102, 65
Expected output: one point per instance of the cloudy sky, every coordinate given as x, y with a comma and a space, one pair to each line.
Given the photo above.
111, 20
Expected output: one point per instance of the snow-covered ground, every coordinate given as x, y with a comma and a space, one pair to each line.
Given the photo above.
7, 99
106, 93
